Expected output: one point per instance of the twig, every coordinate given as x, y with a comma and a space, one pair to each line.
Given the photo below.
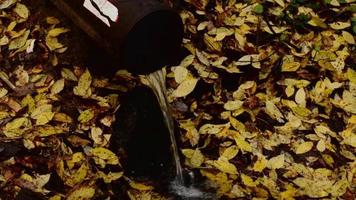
4, 78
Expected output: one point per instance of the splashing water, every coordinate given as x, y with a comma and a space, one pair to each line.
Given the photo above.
157, 81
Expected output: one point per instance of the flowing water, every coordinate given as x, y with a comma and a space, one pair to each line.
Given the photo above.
157, 81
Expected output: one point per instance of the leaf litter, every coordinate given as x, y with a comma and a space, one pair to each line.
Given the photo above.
269, 85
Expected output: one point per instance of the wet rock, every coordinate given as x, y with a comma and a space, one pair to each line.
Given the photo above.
141, 138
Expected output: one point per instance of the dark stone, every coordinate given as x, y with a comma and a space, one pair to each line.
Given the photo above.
141, 138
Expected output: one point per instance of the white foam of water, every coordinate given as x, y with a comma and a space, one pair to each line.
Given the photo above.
188, 193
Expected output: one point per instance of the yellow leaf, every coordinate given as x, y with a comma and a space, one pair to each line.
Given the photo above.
248, 181
62, 117
237, 124
52, 20
3, 92
53, 44
289, 91
213, 128
300, 97
348, 37
21, 10
180, 74
195, 157
352, 119
321, 145
16, 127
280, 2
301, 111
260, 164
304, 147
83, 88
104, 156
233, 105
76, 158
82, 193
140, 186
86, 116
328, 159
45, 131
6, 3
58, 86
230, 152
242, 144
252, 59
340, 25
78, 176
55, 197
273, 111
316, 21
56, 32
187, 61
224, 165
20, 41
43, 114
334, 3
290, 66
276, 162
112, 176
68, 75
351, 75
4, 40
186, 87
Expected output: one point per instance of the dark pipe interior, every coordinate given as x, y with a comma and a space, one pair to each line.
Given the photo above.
154, 42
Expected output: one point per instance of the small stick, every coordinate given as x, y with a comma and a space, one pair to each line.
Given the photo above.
4, 78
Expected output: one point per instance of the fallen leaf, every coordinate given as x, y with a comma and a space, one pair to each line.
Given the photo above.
84, 83
186, 87
304, 147
82, 193
276, 162
104, 156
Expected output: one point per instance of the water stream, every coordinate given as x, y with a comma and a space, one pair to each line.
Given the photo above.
157, 81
